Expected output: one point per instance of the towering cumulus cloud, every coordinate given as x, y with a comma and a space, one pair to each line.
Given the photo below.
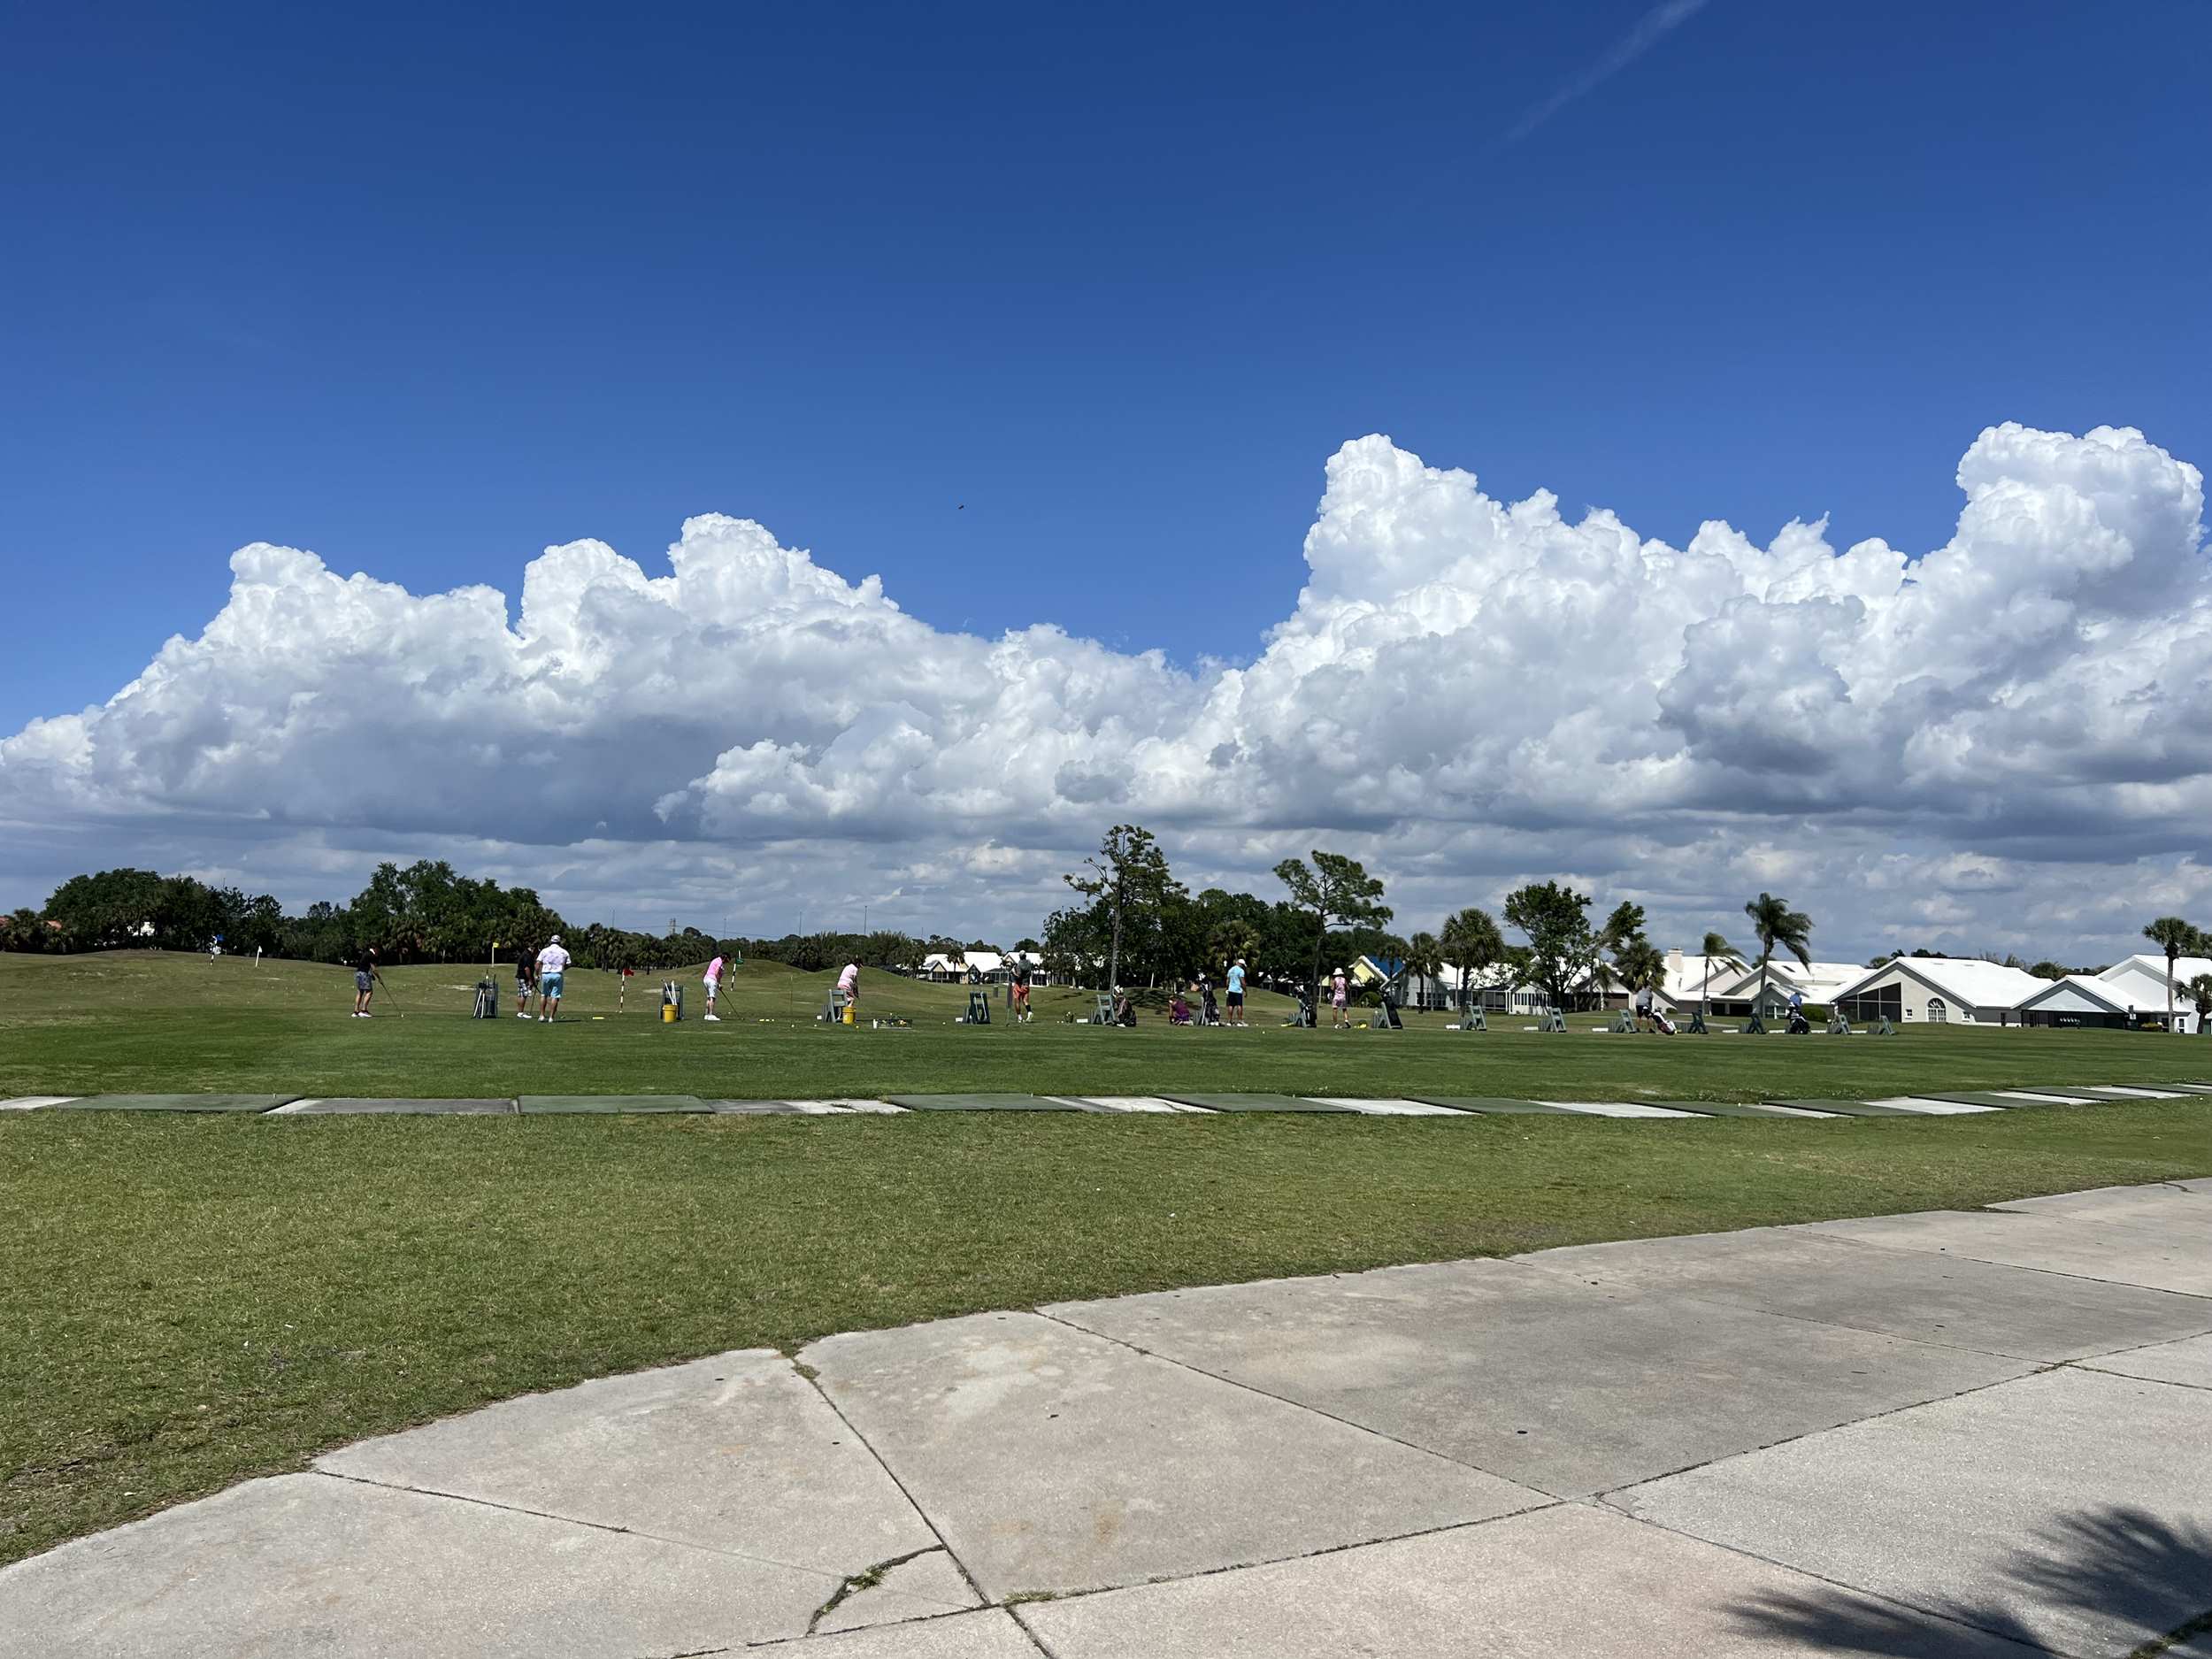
2007, 738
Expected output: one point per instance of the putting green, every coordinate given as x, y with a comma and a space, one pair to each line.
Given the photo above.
983, 1103
612, 1104
175, 1103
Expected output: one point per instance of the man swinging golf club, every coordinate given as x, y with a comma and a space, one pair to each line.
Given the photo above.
552, 963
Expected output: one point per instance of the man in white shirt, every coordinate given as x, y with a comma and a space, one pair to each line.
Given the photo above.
552, 963
714, 986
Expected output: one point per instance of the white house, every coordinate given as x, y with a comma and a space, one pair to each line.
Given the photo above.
2139, 982
1731, 991
970, 966
1940, 991
2076, 999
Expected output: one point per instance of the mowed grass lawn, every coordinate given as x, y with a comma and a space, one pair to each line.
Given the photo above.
146, 1022
186, 1300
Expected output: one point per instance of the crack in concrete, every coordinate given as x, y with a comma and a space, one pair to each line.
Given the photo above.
2175, 1636
813, 1380
867, 1578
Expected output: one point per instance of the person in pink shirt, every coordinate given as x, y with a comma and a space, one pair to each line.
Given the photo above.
714, 986
849, 987
1340, 998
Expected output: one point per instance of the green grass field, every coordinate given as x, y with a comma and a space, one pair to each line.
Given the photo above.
187, 1300
143, 1022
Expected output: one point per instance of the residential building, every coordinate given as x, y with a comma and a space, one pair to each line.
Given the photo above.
2077, 1000
2139, 982
1938, 991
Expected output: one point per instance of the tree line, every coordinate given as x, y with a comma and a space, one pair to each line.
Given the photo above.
1132, 924
425, 912
1135, 923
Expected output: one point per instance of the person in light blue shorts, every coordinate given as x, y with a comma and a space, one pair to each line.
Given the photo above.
552, 963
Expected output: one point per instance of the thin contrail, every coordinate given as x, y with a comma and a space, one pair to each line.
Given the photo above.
1662, 20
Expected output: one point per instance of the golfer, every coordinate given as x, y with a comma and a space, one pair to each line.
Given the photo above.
1020, 984
1340, 999
1236, 991
849, 987
365, 979
552, 963
713, 983
523, 985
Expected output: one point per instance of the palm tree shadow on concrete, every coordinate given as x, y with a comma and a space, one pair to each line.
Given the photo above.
2123, 1573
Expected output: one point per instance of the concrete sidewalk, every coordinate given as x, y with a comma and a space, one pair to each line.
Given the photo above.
1953, 1434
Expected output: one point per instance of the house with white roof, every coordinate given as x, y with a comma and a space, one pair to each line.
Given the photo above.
2077, 1000
966, 967
1730, 990
1940, 991
2139, 982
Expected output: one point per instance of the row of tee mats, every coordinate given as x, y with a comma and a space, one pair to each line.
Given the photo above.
1934, 1103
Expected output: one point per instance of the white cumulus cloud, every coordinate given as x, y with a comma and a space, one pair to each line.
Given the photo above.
2002, 740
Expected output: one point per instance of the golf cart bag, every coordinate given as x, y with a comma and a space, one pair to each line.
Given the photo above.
1208, 1010
1303, 1018
1799, 1026
1659, 1018
1386, 1015
487, 1001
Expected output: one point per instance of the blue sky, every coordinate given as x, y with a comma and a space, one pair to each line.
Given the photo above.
428, 289
1053, 316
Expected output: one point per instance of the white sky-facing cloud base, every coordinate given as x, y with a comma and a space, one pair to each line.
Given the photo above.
2006, 741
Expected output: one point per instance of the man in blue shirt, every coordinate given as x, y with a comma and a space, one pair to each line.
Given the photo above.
1236, 991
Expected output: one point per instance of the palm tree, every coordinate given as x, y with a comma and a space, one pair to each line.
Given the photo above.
2200, 987
2176, 938
1472, 943
1424, 959
1716, 948
1776, 924
1640, 966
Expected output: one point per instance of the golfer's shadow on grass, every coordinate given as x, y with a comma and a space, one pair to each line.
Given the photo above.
2121, 1564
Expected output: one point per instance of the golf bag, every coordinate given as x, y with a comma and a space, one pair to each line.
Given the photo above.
1659, 1018
1799, 1026
487, 1001
1387, 1015
1303, 1018
1208, 1010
